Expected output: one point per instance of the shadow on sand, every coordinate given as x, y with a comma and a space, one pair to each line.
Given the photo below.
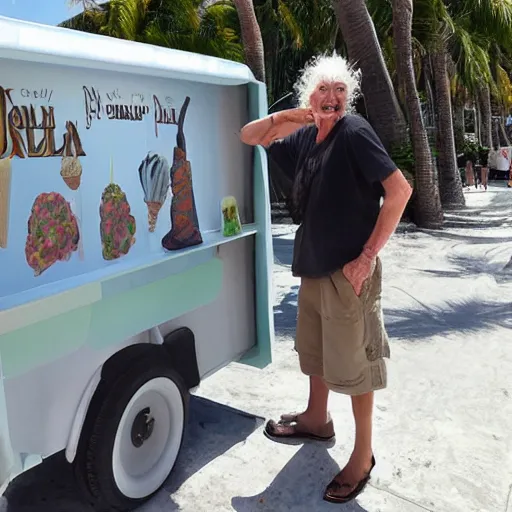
299, 486
283, 250
472, 266
467, 316
212, 430
497, 213
285, 314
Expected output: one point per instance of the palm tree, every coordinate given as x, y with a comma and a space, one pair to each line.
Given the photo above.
251, 37
293, 32
474, 35
432, 27
484, 98
363, 48
488, 24
428, 212
450, 183
459, 100
184, 24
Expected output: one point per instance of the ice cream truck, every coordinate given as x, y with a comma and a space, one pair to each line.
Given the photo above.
135, 250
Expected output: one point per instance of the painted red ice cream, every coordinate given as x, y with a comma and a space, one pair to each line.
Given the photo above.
52, 232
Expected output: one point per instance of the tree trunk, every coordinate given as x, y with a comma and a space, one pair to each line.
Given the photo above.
450, 183
495, 116
428, 212
495, 133
458, 122
251, 38
427, 79
364, 51
484, 100
478, 121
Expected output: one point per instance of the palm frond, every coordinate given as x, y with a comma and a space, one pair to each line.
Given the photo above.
126, 18
492, 18
469, 52
290, 23
504, 88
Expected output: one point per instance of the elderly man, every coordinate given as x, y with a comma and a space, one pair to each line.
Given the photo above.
341, 172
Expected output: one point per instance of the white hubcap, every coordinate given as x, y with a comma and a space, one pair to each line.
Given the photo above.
141, 468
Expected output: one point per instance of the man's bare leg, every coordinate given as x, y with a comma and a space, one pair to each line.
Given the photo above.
484, 177
360, 461
316, 414
315, 417
362, 407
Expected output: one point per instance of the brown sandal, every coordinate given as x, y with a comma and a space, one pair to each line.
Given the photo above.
334, 487
297, 430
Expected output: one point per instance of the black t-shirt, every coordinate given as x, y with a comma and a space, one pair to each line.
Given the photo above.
342, 200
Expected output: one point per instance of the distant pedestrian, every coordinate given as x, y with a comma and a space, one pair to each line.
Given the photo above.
484, 175
470, 174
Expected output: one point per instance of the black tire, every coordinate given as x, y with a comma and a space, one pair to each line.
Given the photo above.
94, 463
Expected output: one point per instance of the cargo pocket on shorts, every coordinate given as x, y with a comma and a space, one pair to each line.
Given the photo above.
375, 337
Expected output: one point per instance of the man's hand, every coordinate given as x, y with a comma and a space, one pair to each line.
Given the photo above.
357, 271
276, 126
301, 116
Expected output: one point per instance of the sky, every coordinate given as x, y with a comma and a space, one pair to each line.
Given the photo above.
49, 12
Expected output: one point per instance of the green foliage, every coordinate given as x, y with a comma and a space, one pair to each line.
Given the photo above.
403, 156
470, 150
293, 31
181, 24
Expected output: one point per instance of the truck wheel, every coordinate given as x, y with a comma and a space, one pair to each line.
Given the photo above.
136, 436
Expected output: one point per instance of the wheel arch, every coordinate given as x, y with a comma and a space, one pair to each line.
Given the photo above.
178, 348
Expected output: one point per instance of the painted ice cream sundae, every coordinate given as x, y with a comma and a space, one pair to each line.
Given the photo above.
52, 232
117, 226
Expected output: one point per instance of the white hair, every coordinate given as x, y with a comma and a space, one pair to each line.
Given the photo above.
328, 68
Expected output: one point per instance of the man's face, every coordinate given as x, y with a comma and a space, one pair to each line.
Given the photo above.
329, 100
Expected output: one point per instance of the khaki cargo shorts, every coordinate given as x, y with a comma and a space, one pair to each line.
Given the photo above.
340, 336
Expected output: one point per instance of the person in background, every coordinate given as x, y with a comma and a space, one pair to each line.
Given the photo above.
470, 174
508, 125
340, 173
484, 175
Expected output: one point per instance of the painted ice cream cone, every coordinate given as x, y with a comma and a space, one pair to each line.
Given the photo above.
184, 230
153, 210
5, 192
71, 171
154, 175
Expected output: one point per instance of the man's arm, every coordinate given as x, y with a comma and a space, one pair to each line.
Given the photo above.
397, 194
274, 127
